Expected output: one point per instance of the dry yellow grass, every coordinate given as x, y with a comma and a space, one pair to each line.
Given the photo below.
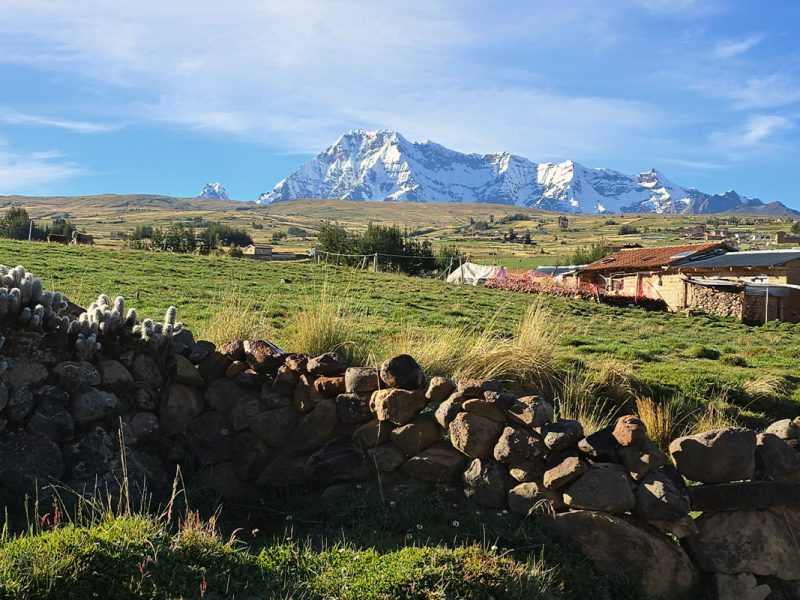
234, 319
659, 418
766, 387
524, 359
577, 397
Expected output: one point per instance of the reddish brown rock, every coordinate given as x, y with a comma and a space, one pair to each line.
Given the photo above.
233, 350
213, 366
402, 372
372, 433
629, 431
716, 456
439, 389
328, 364
274, 427
473, 435
439, 463
416, 435
359, 380
329, 387
183, 404
532, 497
484, 409
236, 367
564, 473
397, 405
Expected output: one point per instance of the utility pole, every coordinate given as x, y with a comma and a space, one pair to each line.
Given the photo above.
30, 230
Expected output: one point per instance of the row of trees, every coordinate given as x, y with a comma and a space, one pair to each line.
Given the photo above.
396, 250
17, 224
184, 238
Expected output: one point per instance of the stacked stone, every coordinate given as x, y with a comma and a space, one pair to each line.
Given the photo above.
60, 419
749, 495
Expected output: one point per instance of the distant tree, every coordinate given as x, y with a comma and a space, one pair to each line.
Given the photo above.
335, 238
563, 222
586, 254
15, 223
796, 227
628, 229
297, 231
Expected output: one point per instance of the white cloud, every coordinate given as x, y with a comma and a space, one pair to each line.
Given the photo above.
13, 117
32, 170
732, 48
757, 134
295, 74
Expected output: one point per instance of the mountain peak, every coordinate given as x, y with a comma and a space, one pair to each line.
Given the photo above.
383, 165
214, 191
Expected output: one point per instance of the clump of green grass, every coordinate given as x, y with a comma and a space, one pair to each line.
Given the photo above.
700, 351
525, 358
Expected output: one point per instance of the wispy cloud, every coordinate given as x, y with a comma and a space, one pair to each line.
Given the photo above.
700, 165
12, 117
758, 133
33, 170
731, 48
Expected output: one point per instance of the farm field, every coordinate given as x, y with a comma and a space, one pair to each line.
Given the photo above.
477, 228
750, 372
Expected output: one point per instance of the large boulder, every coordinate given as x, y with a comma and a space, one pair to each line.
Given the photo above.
26, 459
786, 429
438, 463
386, 457
113, 373
487, 482
223, 394
353, 408
316, 427
25, 373
530, 411
213, 366
565, 472
642, 458
261, 356
249, 455
473, 435
448, 409
185, 372
417, 435
184, 402
210, 435
372, 433
744, 495
439, 389
403, 372
716, 456
327, 364
532, 496
629, 430
519, 444
92, 405
53, 421
273, 427
75, 375
762, 542
616, 547
776, 460
144, 369
562, 434
397, 405
338, 461
660, 498
603, 486
360, 380
485, 409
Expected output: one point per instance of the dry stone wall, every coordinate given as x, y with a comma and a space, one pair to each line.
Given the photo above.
247, 417
716, 301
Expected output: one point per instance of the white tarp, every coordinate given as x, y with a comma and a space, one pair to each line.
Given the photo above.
472, 274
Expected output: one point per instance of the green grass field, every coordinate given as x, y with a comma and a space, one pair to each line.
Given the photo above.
751, 371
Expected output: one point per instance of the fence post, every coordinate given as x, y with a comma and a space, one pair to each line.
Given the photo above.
375, 263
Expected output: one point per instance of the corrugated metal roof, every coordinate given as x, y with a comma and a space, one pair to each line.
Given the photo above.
650, 258
750, 258
559, 270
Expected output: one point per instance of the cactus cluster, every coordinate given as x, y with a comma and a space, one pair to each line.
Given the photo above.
157, 333
25, 303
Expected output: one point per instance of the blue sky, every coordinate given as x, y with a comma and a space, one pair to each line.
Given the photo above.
161, 97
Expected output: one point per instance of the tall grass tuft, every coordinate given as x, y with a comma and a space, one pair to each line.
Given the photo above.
234, 318
577, 397
660, 418
523, 360
766, 387
717, 413
323, 323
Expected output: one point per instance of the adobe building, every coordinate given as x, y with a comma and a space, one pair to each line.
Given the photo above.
712, 277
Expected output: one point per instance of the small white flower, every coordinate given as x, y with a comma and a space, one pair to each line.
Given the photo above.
477, 512
456, 523
288, 517
419, 526
505, 512
409, 536
392, 504
494, 548
358, 486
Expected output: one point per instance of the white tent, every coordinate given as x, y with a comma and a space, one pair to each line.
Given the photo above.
472, 274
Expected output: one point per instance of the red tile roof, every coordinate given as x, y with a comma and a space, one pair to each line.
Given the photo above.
639, 259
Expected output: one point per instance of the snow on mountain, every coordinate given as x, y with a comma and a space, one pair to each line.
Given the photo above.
214, 191
383, 165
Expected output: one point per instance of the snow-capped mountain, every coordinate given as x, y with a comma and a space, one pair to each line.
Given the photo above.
383, 165
214, 191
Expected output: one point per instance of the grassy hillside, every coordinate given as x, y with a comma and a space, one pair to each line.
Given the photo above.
478, 228
747, 372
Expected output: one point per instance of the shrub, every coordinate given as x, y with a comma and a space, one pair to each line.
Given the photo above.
701, 351
628, 229
586, 254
